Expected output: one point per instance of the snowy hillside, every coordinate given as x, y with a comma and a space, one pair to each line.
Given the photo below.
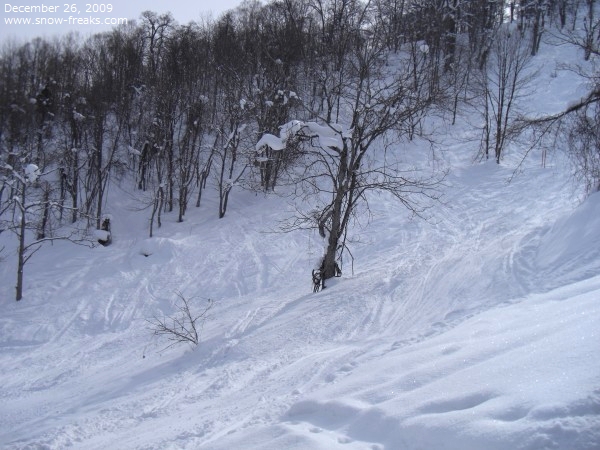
475, 329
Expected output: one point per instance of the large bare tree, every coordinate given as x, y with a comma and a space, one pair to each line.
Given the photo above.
341, 163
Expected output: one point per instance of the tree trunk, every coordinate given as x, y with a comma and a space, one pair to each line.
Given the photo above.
329, 260
590, 31
224, 198
183, 194
156, 209
75, 187
99, 142
337, 212
538, 26
21, 252
46, 214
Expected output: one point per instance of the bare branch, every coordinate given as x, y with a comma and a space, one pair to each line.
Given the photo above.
183, 327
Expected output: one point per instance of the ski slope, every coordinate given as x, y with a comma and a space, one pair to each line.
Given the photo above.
477, 328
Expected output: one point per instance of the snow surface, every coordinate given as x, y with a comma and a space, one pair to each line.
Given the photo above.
271, 141
475, 329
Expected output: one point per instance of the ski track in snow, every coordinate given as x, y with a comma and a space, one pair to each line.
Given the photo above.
446, 267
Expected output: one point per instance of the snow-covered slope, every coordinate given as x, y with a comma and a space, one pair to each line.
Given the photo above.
475, 329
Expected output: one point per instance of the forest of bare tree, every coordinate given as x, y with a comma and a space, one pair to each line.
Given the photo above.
164, 110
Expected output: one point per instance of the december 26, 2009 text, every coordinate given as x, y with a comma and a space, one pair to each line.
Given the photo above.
60, 8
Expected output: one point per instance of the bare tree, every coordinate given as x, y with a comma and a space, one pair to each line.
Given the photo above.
532, 18
105, 111
26, 214
584, 145
591, 27
339, 164
233, 151
586, 37
579, 125
185, 326
481, 20
233, 159
504, 81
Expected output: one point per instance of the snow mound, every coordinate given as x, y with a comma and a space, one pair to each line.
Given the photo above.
570, 250
495, 381
273, 142
32, 173
161, 249
101, 235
